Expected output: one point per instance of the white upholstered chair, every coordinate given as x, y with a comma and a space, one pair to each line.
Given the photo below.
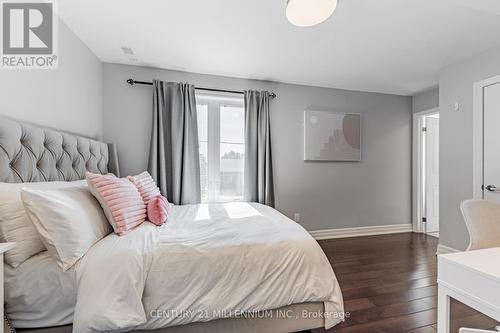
483, 222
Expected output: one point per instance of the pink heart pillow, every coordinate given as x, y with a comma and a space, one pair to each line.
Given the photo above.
158, 210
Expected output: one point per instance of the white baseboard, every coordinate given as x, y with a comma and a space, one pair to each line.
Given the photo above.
443, 249
361, 231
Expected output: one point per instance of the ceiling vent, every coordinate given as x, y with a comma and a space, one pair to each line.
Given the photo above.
129, 53
127, 50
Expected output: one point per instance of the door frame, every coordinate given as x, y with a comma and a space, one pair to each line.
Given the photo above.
478, 134
417, 169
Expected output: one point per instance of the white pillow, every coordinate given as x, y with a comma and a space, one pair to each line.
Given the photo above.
69, 221
15, 225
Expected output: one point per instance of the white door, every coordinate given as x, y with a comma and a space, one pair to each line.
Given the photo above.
491, 145
432, 173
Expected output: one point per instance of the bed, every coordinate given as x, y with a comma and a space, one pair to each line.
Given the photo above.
212, 268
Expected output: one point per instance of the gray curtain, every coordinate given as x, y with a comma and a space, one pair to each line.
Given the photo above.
174, 153
258, 160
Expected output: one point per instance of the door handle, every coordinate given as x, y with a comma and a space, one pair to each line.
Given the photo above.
492, 188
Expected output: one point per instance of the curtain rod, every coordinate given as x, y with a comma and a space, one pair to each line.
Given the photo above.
132, 82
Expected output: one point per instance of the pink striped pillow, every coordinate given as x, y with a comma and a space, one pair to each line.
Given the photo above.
146, 186
157, 205
119, 198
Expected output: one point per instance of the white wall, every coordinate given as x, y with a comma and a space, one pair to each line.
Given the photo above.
328, 195
68, 98
426, 100
456, 175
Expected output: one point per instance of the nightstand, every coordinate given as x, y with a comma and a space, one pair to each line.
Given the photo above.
4, 247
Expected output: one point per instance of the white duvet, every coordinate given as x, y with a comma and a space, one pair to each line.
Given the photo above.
207, 262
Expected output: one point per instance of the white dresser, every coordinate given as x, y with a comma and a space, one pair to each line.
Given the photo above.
472, 278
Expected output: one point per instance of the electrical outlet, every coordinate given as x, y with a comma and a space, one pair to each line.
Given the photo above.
296, 217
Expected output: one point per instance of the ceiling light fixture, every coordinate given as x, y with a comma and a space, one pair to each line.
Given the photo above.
306, 13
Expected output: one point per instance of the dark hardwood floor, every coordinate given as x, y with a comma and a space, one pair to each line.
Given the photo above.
389, 285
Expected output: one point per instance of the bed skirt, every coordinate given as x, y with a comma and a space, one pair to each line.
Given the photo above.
291, 318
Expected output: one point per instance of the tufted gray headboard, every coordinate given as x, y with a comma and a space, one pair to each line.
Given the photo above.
34, 154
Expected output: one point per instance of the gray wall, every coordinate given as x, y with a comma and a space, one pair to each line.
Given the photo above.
456, 155
68, 98
376, 191
426, 100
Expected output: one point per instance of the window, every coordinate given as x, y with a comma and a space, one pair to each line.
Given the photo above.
221, 126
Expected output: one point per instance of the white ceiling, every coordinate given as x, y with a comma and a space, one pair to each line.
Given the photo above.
389, 46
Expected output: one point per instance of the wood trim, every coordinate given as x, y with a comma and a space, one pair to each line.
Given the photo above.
477, 141
361, 231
